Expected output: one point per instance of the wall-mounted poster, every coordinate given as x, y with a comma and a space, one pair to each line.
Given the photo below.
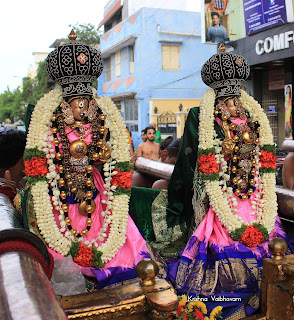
263, 14
217, 20
288, 111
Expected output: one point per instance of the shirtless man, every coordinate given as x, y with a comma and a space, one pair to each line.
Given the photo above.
149, 149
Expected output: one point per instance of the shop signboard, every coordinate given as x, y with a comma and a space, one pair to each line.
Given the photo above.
261, 15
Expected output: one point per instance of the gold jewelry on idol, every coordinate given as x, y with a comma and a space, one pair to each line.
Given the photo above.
67, 111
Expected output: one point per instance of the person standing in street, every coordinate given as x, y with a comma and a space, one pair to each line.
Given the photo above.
157, 133
149, 149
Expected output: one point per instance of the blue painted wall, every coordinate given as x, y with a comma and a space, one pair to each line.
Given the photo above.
151, 81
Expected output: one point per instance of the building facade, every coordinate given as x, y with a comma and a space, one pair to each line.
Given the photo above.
270, 54
152, 63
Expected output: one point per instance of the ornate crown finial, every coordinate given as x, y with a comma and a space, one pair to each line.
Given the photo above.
72, 36
222, 48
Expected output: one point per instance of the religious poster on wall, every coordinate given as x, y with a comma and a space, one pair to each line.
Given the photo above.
288, 111
217, 20
261, 14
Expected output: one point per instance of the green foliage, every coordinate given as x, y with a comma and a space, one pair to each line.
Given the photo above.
124, 166
120, 190
210, 177
33, 152
269, 148
74, 249
33, 180
97, 262
267, 170
263, 230
87, 33
13, 103
206, 151
235, 235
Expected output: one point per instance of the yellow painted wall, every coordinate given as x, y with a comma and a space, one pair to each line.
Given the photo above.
163, 105
173, 105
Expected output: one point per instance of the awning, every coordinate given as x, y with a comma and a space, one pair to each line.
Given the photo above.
111, 13
123, 96
129, 41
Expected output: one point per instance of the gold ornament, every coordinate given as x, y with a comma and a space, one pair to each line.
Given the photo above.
105, 152
84, 232
74, 232
63, 195
58, 156
83, 205
78, 149
61, 182
248, 137
74, 190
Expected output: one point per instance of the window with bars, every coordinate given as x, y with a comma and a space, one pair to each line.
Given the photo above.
131, 114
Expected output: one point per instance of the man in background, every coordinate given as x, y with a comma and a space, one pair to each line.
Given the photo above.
216, 33
149, 149
288, 171
12, 146
143, 135
157, 133
168, 155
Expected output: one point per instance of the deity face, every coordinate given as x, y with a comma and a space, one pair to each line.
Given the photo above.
230, 103
79, 108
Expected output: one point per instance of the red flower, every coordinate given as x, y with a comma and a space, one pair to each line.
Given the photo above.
180, 310
36, 166
251, 237
267, 159
198, 315
122, 179
85, 256
207, 164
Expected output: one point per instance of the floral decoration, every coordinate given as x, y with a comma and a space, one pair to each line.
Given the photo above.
252, 237
36, 166
195, 310
112, 235
221, 196
122, 179
208, 166
85, 256
267, 161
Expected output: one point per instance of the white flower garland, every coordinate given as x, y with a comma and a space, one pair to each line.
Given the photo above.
116, 213
265, 205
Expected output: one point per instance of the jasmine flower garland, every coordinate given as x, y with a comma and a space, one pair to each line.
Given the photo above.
220, 196
39, 141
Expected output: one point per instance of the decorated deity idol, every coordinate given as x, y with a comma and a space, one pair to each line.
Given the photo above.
73, 207
224, 179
